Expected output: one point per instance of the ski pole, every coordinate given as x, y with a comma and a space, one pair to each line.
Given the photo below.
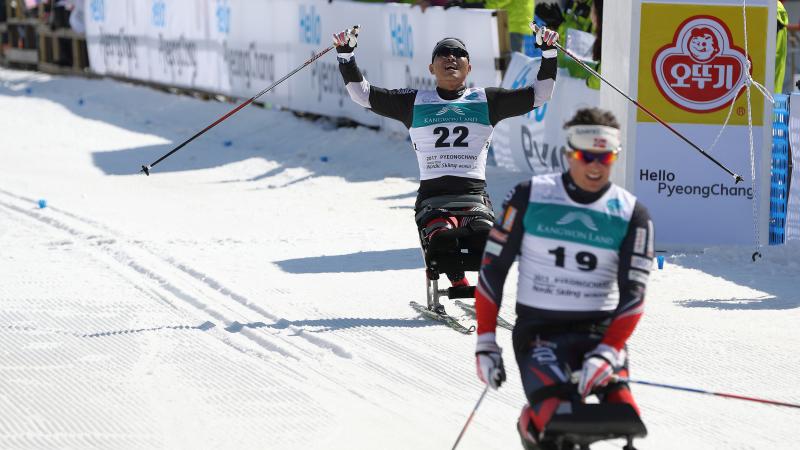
146, 169
737, 178
718, 394
471, 415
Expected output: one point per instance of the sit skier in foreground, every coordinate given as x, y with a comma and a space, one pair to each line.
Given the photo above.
450, 128
585, 248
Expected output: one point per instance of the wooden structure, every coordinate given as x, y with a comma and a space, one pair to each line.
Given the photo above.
53, 44
28, 41
19, 35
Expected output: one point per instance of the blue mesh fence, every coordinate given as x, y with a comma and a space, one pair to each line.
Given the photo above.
779, 170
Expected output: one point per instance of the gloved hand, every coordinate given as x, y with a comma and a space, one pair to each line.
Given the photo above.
489, 361
599, 366
347, 40
545, 40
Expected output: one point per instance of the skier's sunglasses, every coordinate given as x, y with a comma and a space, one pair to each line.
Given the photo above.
455, 51
605, 158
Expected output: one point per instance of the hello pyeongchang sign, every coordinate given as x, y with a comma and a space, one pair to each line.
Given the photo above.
688, 65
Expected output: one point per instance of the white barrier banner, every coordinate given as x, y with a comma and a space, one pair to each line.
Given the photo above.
252, 41
180, 52
240, 47
535, 142
319, 88
115, 37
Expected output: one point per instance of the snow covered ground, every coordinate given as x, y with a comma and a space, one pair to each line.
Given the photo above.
253, 293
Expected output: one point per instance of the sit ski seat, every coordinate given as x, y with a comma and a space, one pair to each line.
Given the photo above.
458, 249
588, 423
453, 250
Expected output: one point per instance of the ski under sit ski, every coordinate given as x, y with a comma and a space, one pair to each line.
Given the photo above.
445, 318
470, 309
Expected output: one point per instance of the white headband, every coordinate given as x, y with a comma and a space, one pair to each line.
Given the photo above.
598, 138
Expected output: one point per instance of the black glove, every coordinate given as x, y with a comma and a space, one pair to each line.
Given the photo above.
346, 41
545, 40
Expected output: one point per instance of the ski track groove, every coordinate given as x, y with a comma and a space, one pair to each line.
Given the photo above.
211, 283
126, 260
65, 420
143, 268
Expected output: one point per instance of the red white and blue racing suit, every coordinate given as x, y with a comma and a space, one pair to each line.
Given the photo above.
584, 261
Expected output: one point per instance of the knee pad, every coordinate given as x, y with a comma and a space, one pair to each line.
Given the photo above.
439, 224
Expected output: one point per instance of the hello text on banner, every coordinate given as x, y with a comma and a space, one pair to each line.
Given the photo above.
238, 47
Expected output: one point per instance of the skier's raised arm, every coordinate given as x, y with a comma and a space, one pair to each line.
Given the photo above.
396, 104
505, 103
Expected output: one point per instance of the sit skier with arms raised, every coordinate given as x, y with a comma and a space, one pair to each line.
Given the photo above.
450, 127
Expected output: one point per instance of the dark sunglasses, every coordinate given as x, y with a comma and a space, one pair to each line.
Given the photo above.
605, 158
455, 51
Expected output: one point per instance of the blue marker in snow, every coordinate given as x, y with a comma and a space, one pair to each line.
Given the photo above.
227, 143
42, 203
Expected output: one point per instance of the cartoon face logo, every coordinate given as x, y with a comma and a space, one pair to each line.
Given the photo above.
703, 45
701, 70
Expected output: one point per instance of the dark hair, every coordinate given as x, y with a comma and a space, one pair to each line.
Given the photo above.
597, 48
593, 116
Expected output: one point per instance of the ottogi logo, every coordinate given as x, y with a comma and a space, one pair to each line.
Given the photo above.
310, 26
453, 108
223, 17
577, 216
402, 36
701, 69
98, 9
159, 13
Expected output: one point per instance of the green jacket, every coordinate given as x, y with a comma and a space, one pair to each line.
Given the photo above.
577, 22
593, 82
780, 48
520, 13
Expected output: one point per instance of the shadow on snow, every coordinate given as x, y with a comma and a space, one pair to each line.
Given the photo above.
399, 259
254, 132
